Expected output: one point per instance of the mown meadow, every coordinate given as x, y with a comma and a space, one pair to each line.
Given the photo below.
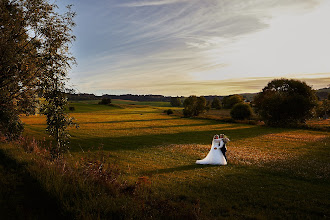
131, 160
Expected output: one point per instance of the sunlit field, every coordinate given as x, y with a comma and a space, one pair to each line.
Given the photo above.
271, 172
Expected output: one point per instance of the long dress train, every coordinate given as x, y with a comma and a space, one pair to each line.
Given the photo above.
215, 156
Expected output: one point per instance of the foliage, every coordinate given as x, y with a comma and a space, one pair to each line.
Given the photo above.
10, 123
105, 101
18, 67
323, 109
285, 102
229, 101
57, 120
176, 101
34, 59
216, 103
193, 106
169, 111
241, 111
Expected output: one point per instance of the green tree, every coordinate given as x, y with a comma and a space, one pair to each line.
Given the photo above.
176, 101
323, 109
216, 103
285, 102
193, 106
34, 58
241, 111
229, 101
105, 101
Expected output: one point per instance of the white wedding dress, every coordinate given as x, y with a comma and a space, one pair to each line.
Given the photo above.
215, 156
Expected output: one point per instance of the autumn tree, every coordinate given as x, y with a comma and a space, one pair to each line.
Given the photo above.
229, 101
193, 106
285, 102
34, 60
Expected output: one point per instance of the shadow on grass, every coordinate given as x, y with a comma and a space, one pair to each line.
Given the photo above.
175, 169
125, 121
22, 196
151, 140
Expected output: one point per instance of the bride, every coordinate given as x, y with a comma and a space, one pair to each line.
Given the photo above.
215, 156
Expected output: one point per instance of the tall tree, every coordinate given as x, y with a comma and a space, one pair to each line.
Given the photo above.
176, 101
34, 59
285, 102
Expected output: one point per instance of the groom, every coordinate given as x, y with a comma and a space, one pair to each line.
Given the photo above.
224, 148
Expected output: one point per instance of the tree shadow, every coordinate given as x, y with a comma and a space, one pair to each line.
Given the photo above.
24, 195
176, 169
152, 140
125, 121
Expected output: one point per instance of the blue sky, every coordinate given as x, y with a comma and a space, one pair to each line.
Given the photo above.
200, 47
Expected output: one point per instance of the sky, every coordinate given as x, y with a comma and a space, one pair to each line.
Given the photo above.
198, 47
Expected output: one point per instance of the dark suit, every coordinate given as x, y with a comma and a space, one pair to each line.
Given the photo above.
223, 150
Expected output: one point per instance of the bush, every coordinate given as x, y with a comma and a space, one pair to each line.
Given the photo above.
105, 101
241, 111
169, 112
72, 108
285, 102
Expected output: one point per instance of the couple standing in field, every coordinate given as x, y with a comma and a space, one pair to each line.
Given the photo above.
217, 154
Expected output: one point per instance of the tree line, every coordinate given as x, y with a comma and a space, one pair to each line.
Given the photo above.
282, 102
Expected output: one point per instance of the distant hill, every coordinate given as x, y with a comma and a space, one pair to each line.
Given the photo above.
321, 94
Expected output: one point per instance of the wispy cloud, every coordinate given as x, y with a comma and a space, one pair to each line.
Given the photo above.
151, 3
136, 45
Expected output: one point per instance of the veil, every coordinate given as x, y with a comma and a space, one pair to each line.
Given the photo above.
215, 156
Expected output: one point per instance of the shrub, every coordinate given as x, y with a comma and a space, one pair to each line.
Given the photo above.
105, 101
241, 111
71, 108
169, 112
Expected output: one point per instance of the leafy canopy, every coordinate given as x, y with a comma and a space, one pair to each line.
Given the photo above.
193, 106
34, 60
285, 102
241, 111
229, 101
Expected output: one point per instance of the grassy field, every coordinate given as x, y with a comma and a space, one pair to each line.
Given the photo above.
271, 172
